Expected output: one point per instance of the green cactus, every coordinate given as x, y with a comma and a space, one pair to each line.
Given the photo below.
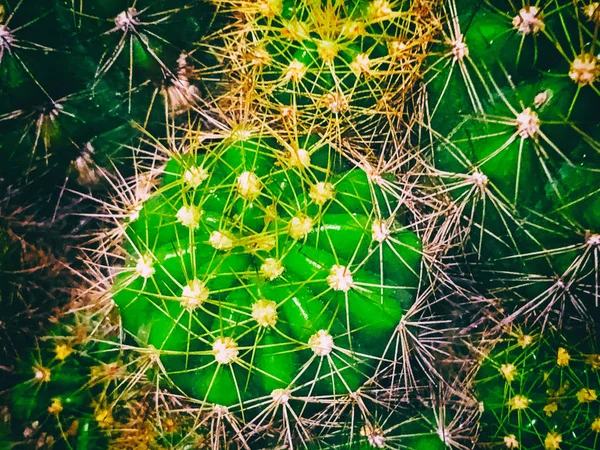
540, 392
516, 138
326, 193
60, 397
344, 65
266, 266
72, 73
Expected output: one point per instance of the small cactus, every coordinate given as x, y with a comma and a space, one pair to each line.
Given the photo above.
265, 267
347, 67
520, 157
540, 391
60, 396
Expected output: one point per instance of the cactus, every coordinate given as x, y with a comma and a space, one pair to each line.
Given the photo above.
271, 281
267, 267
61, 395
271, 242
520, 157
330, 200
539, 391
73, 78
256, 313
346, 67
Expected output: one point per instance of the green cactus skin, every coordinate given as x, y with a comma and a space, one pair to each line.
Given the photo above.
59, 394
70, 74
524, 148
540, 392
262, 266
400, 429
344, 65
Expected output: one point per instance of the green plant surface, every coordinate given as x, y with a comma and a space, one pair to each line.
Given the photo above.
61, 393
406, 429
347, 66
265, 266
541, 392
516, 146
293, 260
74, 73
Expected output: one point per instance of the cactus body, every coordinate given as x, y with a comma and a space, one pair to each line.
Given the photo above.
257, 268
526, 125
344, 66
540, 392
69, 74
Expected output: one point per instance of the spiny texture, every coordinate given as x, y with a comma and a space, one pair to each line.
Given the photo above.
513, 101
278, 276
263, 273
73, 75
258, 306
61, 395
541, 391
345, 67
